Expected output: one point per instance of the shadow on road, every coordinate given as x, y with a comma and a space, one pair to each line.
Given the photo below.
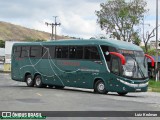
69, 89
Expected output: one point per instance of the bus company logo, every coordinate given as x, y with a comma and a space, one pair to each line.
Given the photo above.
6, 114
23, 115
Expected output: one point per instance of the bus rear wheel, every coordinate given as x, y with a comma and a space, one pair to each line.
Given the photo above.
99, 87
29, 81
38, 81
122, 93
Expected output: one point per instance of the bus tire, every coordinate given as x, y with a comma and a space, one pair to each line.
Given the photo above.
99, 87
59, 87
29, 80
38, 81
122, 93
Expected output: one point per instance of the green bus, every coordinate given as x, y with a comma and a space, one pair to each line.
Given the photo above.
103, 65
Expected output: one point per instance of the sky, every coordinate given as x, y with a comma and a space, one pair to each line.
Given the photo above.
77, 17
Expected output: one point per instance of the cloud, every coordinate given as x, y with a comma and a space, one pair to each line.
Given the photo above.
77, 17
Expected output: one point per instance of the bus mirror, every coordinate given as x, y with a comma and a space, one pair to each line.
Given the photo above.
123, 60
151, 58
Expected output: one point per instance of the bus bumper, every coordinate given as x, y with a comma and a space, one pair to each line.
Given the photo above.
133, 87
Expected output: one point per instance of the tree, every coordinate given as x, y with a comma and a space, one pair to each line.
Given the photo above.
149, 35
119, 18
136, 39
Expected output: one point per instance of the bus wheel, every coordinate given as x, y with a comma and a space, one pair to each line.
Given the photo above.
38, 81
122, 93
99, 87
59, 87
29, 81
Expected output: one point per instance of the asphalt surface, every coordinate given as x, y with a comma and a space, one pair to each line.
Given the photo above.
16, 96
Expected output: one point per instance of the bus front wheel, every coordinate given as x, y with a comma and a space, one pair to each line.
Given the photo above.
99, 87
38, 81
29, 81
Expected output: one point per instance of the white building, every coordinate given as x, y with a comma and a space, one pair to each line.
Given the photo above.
2, 54
153, 44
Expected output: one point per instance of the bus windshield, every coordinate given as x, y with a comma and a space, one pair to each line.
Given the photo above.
136, 64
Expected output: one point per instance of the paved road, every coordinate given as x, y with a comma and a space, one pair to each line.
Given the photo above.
16, 96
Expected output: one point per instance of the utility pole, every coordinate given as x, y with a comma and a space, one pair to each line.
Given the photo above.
55, 23
156, 67
52, 25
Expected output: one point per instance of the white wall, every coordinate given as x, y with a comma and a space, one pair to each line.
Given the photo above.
2, 51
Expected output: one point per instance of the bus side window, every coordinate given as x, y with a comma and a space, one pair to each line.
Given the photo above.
17, 51
64, 52
36, 51
25, 51
115, 65
58, 52
91, 53
45, 52
106, 49
94, 53
51, 51
72, 52
79, 52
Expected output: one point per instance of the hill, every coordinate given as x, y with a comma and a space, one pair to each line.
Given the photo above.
10, 31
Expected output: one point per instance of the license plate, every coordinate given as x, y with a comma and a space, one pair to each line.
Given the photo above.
138, 90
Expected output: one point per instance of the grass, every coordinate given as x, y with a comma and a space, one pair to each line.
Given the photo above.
154, 86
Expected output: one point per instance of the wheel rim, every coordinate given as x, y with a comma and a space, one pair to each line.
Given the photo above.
29, 80
38, 81
101, 86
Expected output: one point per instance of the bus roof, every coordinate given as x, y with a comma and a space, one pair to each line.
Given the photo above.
109, 42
